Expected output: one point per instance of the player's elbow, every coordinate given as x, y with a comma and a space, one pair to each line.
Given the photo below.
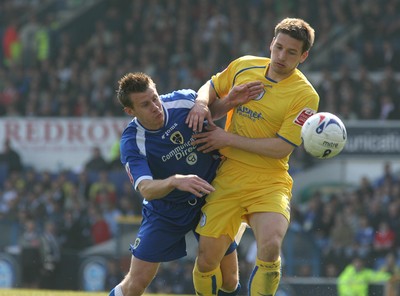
149, 194
146, 191
280, 149
146, 195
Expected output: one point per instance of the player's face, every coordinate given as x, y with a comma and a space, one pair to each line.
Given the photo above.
286, 55
147, 109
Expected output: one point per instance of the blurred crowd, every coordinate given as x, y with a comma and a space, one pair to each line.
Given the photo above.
49, 68
71, 214
361, 222
44, 215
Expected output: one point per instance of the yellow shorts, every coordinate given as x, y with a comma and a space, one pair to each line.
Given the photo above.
241, 190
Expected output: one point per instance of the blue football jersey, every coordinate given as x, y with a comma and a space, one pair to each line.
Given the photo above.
149, 154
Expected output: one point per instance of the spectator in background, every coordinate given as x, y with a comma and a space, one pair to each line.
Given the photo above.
31, 263
50, 255
393, 213
356, 277
130, 202
384, 240
11, 43
11, 158
340, 243
388, 176
386, 107
115, 151
75, 233
96, 161
390, 265
100, 231
391, 55
42, 41
83, 184
8, 198
28, 33
34, 203
111, 213
115, 162
102, 190
364, 237
323, 224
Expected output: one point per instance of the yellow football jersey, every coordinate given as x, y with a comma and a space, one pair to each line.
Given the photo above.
279, 111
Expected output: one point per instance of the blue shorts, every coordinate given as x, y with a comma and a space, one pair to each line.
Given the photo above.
161, 236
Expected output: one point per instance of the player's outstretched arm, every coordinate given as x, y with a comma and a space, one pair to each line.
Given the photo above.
156, 189
216, 138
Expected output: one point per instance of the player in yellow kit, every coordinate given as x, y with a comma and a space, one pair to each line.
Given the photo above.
253, 183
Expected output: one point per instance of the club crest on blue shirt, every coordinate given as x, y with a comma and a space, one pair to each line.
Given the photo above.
176, 138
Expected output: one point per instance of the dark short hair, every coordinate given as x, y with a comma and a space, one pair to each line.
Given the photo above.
298, 29
132, 83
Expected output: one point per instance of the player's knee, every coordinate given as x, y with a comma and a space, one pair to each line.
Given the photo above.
270, 248
206, 263
211, 253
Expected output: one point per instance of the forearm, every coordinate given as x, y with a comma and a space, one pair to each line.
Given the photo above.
220, 107
156, 189
205, 94
192, 184
271, 147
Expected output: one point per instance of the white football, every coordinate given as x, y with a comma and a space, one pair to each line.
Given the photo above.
324, 135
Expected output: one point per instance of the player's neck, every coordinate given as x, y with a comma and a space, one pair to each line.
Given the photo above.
277, 77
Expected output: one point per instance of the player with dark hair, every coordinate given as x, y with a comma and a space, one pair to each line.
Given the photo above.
253, 182
171, 175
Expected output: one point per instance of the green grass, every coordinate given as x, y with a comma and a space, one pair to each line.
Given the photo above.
25, 292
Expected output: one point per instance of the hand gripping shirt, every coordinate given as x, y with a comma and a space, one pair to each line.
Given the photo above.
279, 111
149, 154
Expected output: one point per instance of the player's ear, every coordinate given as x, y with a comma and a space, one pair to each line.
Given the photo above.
271, 44
304, 56
129, 111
